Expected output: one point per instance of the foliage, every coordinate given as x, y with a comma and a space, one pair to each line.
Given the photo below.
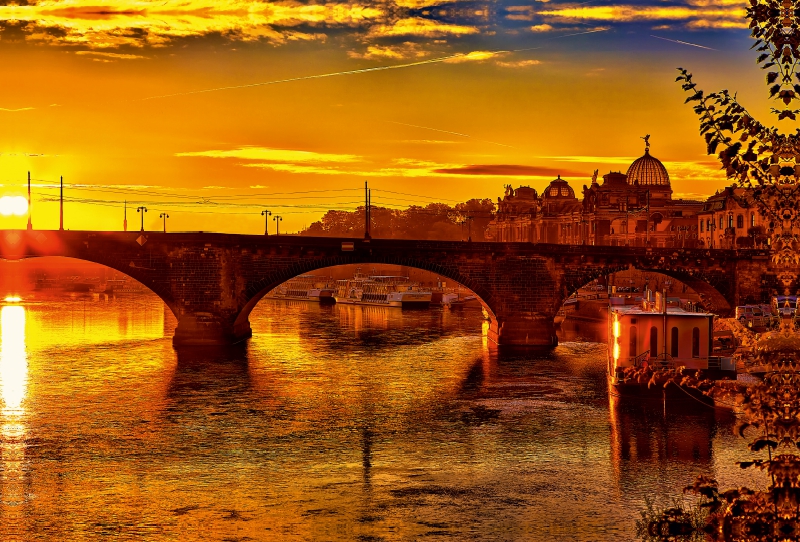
761, 159
433, 221
771, 410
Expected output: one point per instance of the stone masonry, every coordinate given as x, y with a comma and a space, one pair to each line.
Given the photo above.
212, 281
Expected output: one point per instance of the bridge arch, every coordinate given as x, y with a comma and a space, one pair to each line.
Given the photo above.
137, 274
258, 290
711, 298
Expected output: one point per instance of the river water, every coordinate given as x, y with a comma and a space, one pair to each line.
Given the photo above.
331, 423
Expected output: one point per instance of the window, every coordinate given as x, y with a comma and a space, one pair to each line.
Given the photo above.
701, 226
632, 343
721, 222
739, 221
696, 342
653, 341
752, 220
730, 221
673, 347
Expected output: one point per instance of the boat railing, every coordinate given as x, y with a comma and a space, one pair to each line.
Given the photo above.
662, 361
641, 358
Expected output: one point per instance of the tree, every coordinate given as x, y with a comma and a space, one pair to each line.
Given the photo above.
434, 221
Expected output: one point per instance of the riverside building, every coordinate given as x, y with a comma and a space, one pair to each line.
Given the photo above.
635, 208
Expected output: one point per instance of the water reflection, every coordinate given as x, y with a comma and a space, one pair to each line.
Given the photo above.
13, 383
13, 359
330, 424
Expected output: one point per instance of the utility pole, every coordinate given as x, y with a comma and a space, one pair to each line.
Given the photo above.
277, 219
125, 216
61, 199
30, 225
367, 235
469, 229
165, 216
266, 214
142, 210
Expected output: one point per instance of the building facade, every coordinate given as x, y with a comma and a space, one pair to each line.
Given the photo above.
635, 208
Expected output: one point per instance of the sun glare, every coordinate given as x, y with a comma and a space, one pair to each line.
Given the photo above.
13, 299
13, 206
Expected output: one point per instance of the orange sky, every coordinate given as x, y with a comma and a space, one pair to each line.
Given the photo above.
105, 96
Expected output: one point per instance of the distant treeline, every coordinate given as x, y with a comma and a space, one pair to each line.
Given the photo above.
433, 221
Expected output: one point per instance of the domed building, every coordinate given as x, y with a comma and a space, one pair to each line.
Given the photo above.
635, 208
648, 170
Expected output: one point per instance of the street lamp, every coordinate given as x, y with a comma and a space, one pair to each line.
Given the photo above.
266, 214
142, 210
469, 228
165, 216
277, 220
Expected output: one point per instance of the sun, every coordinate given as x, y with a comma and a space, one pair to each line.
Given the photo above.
13, 206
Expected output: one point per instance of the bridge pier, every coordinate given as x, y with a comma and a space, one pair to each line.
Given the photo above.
525, 331
206, 329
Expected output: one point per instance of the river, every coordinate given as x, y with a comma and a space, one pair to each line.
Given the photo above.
331, 423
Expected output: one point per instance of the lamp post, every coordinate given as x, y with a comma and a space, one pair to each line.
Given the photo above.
165, 216
469, 228
266, 214
277, 219
142, 210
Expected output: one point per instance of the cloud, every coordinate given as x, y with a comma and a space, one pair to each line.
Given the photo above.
711, 16
592, 159
266, 154
156, 23
17, 109
418, 4
382, 52
512, 170
474, 56
415, 26
518, 63
541, 28
112, 56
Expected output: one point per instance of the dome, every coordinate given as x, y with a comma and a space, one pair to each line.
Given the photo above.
558, 188
648, 170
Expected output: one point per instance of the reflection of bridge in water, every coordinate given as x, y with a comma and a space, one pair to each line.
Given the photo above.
211, 282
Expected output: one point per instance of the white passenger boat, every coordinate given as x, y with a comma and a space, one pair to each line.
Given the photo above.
306, 288
658, 335
382, 290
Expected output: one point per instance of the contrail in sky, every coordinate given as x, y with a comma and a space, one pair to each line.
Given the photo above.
684, 43
449, 132
582, 33
360, 71
319, 76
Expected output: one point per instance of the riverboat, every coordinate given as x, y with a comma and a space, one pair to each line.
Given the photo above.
306, 288
659, 335
121, 287
383, 291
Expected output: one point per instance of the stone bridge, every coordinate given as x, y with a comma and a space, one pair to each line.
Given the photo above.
212, 281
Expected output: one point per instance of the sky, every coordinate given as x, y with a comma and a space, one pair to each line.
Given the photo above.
212, 112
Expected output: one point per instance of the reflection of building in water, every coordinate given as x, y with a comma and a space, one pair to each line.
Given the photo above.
645, 436
13, 384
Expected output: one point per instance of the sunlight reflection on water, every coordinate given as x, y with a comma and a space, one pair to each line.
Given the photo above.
13, 359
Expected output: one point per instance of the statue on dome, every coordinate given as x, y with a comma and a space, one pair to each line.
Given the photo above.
646, 142
594, 176
509, 190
